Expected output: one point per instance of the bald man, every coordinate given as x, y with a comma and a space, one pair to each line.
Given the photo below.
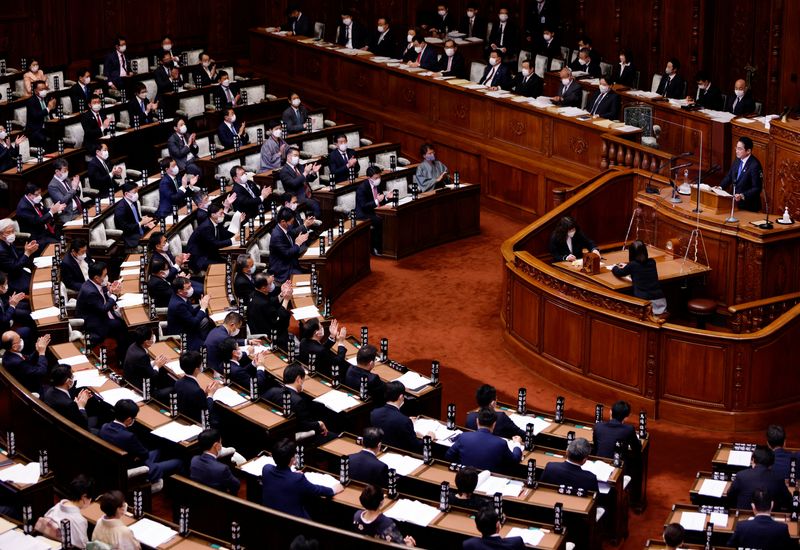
570, 93
741, 102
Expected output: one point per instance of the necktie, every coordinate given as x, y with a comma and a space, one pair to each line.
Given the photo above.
471, 22
104, 294
449, 63
144, 108
249, 190
49, 225
99, 122
502, 33
666, 86
490, 76
122, 71
216, 232
564, 90
228, 94
136, 217
419, 57
380, 38
741, 168
374, 193
735, 103
597, 103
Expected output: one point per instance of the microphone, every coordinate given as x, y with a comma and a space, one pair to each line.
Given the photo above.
682, 155
636, 213
653, 190
767, 224
684, 165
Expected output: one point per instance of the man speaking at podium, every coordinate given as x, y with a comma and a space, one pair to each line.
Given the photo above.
745, 176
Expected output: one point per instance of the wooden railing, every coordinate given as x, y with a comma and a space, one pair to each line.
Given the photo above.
753, 316
623, 153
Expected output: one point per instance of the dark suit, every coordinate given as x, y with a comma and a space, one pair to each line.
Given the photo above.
426, 58
710, 99
674, 88
477, 30
606, 435
27, 369
761, 532
137, 366
100, 176
288, 491
217, 335
179, 150
604, 105
624, 76
398, 430
227, 98
572, 95
375, 386
365, 210
508, 39
497, 76
8, 156
302, 408
170, 194
560, 250
593, 68
204, 77
79, 93
537, 20
284, 255
192, 399
551, 50
569, 474
207, 470
92, 129
443, 24
494, 543
337, 164
248, 201
159, 290
759, 477
783, 462
111, 66
383, 44
740, 107
126, 218
71, 274
37, 221
325, 357
458, 67
36, 115
226, 135
300, 26
117, 434
62, 191
243, 287
295, 119
13, 263
94, 307
65, 405
365, 466
163, 81
135, 109
530, 86
266, 313
205, 243
359, 34
184, 318
407, 53
749, 183
504, 427
483, 450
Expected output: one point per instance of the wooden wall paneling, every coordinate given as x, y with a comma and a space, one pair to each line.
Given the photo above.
510, 127
615, 354
788, 64
465, 114
564, 331
772, 357
694, 372
506, 183
524, 320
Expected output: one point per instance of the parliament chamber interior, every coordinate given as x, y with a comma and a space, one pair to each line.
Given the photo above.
361, 274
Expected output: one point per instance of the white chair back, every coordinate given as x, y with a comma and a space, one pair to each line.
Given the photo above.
252, 132
476, 71
141, 63
316, 147
540, 65
25, 150
401, 184
175, 245
564, 52
252, 162
345, 203
319, 30
556, 64
317, 121
605, 69
4, 87
225, 168
74, 133
523, 56
152, 89
193, 106
193, 56
655, 83
384, 159
51, 81
21, 116
150, 200
353, 139
255, 94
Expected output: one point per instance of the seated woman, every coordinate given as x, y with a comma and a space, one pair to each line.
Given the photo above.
373, 523
644, 275
464, 496
109, 528
431, 173
568, 241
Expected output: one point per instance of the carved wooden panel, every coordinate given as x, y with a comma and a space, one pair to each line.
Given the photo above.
512, 126
525, 313
407, 94
563, 333
461, 111
364, 83
693, 372
615, 354
579, 147
465, 162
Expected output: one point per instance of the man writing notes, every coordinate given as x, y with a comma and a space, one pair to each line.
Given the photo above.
745, 177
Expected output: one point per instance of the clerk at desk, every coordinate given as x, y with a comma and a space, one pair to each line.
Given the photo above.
745, 178
568, 242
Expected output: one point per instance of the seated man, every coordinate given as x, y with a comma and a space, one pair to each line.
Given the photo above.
249, 198
227, 93
351, 33
708, 96
117, 432
482, 449
172, 192
75, 265
365, 363
231, 327
183, 318
67, 400
368, 197
488, 524
206, 73
569, 472
65, 190
296, 181
158, 246
673, 536
365, 465
158, 285
383, 42
14, 311
398, 429
606, 434
424, 56
294, 376
273, 151
295, 115
585, 64
776, 439
192, 399
761, 531
605, 103
94, 124
243, 286
268, 308
9, 151
496, 75
208, 239
288, 491
33, 218
166, 76
15, 264
452, 63
672, 85
464, 495
314, 343
298, 24
570, 93
527, 83
206, 469
182, 150
27, 369
759, 476
101, 176
242, 367
97, 306
139, 105
128, 217
230, 128
741, 103
138, 366
285, 250
745, 179
486, 397
342, 160
430, 173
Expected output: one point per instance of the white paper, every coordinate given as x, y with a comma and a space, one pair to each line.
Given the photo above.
219, 316
312, 251
572, 111
151, 533
41, 286
712, 488
599, 468
412, 511
693, 521
43, 261
175, 367
45, 312
627, 128
739, 458
413, 381
405, 200
532, 536
235, 223
337, 401
513, 445
643, 93
74, 360
440, 432
76, 223
719, 519
403, 465
255, 466
326, 480
229, 397
130, 271
745, 120
177, 432
495, 484
132, 263
89, 378
130, 299
305, 291
26, 474
522, 421
303, 313
112, 396
15, 539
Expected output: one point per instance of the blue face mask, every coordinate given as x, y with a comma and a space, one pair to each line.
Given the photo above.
430, 156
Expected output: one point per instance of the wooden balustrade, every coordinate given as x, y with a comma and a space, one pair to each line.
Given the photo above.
623, 153
755, 315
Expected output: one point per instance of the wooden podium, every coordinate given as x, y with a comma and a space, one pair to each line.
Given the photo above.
710, 202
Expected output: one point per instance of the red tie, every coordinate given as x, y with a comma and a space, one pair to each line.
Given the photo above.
99, 122
419, 57
49, 225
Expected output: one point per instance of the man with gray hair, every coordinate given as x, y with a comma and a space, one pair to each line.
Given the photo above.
569, 472
14, 262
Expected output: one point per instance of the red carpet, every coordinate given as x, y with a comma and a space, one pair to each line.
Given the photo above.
444, 304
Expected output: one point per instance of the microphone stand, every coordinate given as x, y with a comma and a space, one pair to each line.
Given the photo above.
767, 224
731, 218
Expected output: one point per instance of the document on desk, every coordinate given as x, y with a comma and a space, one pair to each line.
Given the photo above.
311, 251
301, 291
130, 271
255, 466
133, 263
412, 511
317, 478
131, 299
74, 360
219, 316
303, 313
413, 381
522, 422
601, 469
402, 464
76, 223
44, 313
572, 111
41, 286
626, 128
719, 519
151, 533
441, 434
89, 378
229, 397
474, 86
643, 93
15, 539
489, 485
405, 200
337, 401
177, 432
43, 261
117, 394
23, 474
739, 458
175, 367
693, 521
720, 192
712, 487
531, 536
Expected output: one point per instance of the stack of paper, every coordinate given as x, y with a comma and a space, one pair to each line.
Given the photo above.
572, 111
131, 298
255, 466
474, 39
76, 223
540, 102
175, 367
522, 421
132, 271
304, 291
413, 381
74, 360
403, 465
719, 519
475, 86
579, 74
532, 536
303, 313
112, 396
412, 511
312, 251
42, 285
489, 485
405, 200
23, 474
89, 378
229, 397
326, 480
43, 261
643, 93
151, 533
440, 432
693, 521
44, 313
177, 432
17, 540
739, 458
601, 469
337, 401
592, 81
712, 487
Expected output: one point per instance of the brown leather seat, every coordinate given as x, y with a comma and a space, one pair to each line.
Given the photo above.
702, 308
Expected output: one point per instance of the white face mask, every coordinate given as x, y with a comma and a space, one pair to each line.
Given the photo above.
622, 60
3, 134
182, 129
167, 47
96, 107
143, 96
565, 81
342, 147
277, 133
104, 282
104, 155
225, 83
470, 13
526, 72
87, 80
503, 17
409, 38
375, 182
296, 103
43, 93
739, 93
34, 68
175, 170
418, 49
294, 160
667, 71
36, 199
206, 64
442, 13
123, 48
547, 37
190, 292
492, 61
21, 345
233, 119
381, 28
347, 22
243, 178
571, 233
63, 176
450, 52
604, 89
292, 206
11, 238
133, 197
80, 257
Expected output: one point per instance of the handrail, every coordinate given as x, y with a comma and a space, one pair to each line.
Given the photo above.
755, 315
618, 151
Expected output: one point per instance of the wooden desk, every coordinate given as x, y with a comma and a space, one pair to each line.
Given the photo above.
516, 152
435, 218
